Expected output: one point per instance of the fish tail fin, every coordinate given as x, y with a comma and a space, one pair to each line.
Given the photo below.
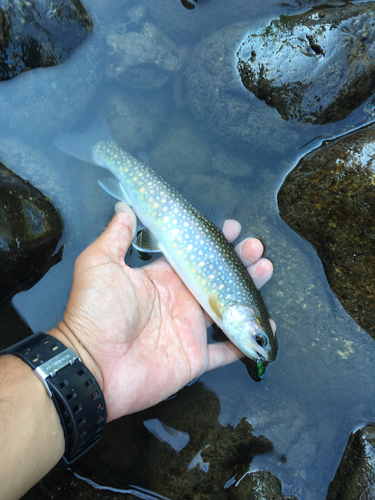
81, 144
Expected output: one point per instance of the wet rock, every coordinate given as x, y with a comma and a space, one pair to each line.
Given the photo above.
39, 34
217, 98
141, 56
188, 5
329, 199
314, 67
13, 327
260, 485
30, 230
355, 476
41, 102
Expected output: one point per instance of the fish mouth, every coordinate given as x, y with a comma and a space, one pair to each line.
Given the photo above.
255, 352
262, 359
256, 356
265, 357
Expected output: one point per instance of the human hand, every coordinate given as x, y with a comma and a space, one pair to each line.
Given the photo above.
140, 331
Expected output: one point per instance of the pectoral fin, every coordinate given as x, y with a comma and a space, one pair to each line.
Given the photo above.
114, 188
215, 306
146, 242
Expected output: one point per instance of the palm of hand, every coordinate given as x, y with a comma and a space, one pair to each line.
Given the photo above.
142, 327
158, 334
140, 331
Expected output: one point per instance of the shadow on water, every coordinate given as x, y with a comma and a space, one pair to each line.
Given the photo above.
320, 388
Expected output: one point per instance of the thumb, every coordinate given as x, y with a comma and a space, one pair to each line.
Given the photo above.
122, 207
113, 243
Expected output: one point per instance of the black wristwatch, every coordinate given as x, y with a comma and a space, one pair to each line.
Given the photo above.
71, 386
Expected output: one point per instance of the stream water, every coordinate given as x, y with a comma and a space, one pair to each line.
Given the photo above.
321, 388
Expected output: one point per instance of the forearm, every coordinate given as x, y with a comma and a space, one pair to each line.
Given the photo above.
31, 435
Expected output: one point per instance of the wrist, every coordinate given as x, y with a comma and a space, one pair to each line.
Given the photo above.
70, 385
29, 427
62, 333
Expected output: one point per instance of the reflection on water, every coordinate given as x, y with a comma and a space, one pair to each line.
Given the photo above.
322, 385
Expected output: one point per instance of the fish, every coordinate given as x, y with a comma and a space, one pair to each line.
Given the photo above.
192, 243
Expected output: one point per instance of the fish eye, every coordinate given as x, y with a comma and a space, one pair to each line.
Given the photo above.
261, 341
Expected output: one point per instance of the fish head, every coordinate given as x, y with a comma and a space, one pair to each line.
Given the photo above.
244, 328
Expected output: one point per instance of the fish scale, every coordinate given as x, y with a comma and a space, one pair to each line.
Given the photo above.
194, 246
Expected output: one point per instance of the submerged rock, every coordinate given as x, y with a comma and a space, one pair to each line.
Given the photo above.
314, 67
203, 190
186, 452
218, 100
214, 455
141, 56
136, 117
180, 152
230, 167
329, 198
259, 485
187, 26
355, 477
60, 484
39, 34
30, 230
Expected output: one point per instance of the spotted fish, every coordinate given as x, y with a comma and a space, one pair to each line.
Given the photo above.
194, 246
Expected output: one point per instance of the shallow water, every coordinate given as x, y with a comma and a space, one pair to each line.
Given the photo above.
321, 387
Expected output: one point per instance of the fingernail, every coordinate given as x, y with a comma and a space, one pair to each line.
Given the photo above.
123, 207
120, 207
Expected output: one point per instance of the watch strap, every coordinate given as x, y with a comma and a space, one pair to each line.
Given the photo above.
76, 394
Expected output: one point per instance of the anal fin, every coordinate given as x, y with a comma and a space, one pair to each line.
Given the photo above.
215, 306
